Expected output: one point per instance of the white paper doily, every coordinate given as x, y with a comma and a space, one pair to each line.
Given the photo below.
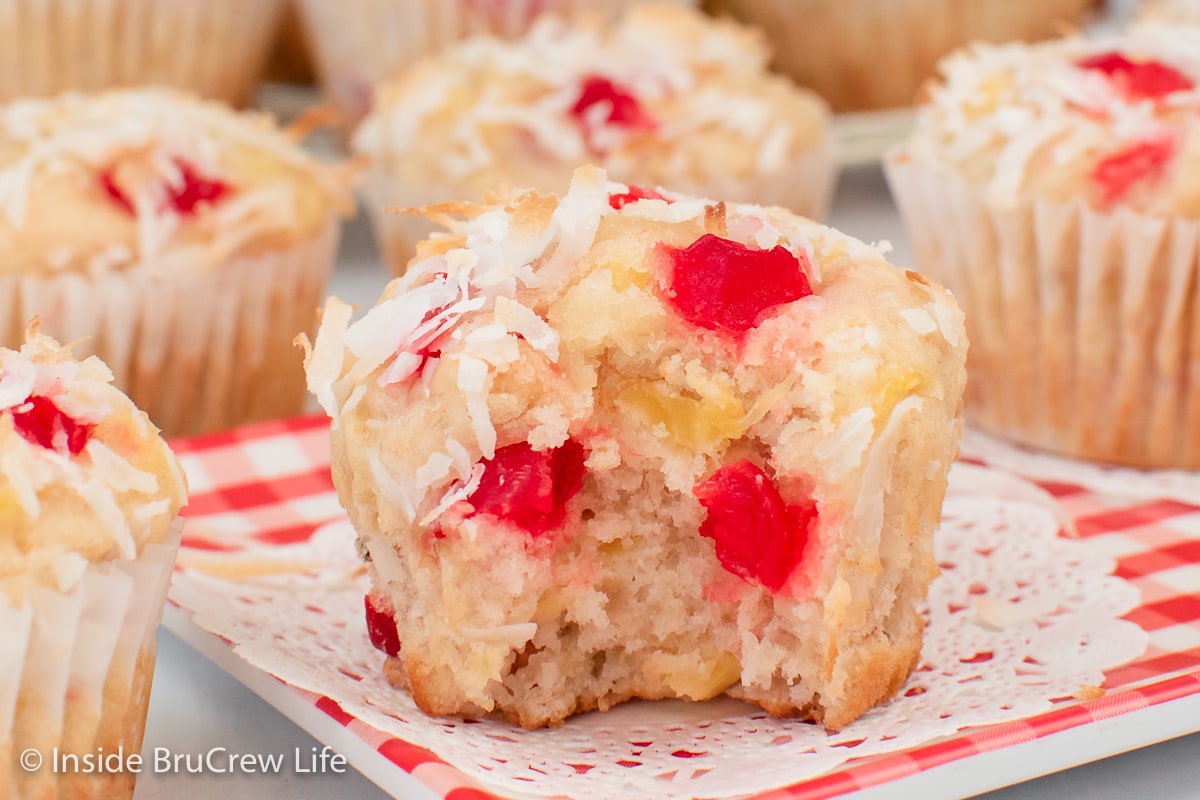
1019, 620
1174, 484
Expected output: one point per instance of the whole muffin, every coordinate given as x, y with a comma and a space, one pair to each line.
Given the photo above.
184, 243
358, 43
665, 96
213, 48
865, 55
89, 494
616, 446
1055, 189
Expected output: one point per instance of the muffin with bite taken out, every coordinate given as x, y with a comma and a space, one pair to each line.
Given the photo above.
628, 444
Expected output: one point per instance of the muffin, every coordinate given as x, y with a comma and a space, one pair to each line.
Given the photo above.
183, 243
89, 494
1186, 11
633, 444
664, 97
214, 48
1055, 189
358, 43
883, 50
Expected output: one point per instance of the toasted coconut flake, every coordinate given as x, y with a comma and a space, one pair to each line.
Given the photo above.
514, 635
576, 220
436, 467
473, 382
524, 321
968, 479
16, 383
919, 320
323, 361
117, 472
392, 488
455, 494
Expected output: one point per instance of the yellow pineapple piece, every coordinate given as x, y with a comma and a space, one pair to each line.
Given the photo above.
695, 423
985, 101
693, 675
894, 387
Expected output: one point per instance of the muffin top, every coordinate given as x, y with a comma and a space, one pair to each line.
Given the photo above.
663, 96
634, 326
84, 475
149, 177
1110, 120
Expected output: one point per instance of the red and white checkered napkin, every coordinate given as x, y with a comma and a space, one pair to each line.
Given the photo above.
260, 493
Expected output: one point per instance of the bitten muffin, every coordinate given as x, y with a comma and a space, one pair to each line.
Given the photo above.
864, 55
214, 48
1055, 189
89, 495
184, 243
665, 96
633, 444
358, 43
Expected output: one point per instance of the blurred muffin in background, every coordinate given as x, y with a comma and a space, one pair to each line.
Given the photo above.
1055, 189
184, 243
1170, 11
358, 43
663, 97
214, 48
89, 498
873, 54
290, 60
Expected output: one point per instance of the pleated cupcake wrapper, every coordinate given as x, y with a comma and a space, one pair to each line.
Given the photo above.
805, 185
357, 43
76, 670
1084, 331
215, 48
887, 49
197, 348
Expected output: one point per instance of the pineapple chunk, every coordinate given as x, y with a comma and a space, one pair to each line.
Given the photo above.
895, 386
695, 423
693, 675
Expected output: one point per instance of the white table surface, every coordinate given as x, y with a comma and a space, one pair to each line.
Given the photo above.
196, 706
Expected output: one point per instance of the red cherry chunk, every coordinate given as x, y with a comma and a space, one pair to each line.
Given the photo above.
720, 284
42, 422
109, 184
635, 193
1139, 79
381, 628
186, 197
623, 108
194, 190
530, 488
1117, 173
759, 537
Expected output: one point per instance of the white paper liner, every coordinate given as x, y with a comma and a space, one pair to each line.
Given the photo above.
357, 43
76, 670
214, 48
1084, 336
1010, 588
886, 49
804, 185
197, 349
